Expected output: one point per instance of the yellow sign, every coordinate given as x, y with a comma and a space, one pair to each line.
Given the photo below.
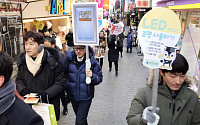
161, 19
38, 24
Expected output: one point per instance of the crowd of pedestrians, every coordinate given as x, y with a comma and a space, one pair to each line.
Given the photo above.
59, 75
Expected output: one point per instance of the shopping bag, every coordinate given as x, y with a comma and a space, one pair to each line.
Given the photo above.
47, 112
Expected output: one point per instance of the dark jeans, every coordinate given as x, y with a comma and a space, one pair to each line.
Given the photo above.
81, 109
100, 60
116, 65
64, 99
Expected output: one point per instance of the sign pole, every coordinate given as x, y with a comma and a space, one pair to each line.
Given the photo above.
198, 91
88, 65
155, 89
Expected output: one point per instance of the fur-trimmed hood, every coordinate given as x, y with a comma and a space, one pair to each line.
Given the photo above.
188, 80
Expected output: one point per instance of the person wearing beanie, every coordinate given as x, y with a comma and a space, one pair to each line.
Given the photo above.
11, 105
40, 71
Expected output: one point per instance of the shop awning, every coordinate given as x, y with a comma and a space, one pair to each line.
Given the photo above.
188, 6
167, 3
44, 18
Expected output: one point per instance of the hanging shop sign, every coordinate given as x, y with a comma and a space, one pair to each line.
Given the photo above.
165, 3
142, 3
38, 24
9, 7
85, 23
100, 3
57, 8
158, 33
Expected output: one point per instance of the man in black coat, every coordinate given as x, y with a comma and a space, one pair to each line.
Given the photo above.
13, 111
113, 53
40, 71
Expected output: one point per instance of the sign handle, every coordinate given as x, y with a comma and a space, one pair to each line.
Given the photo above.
154, 96
88, 65
155, 89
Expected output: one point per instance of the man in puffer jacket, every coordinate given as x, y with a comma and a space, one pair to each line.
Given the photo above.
40, 71
81, 93
178, 104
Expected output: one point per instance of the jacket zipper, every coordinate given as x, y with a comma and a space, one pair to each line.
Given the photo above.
173, 109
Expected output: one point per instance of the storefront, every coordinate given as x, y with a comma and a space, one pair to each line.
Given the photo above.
47, 13
188, 12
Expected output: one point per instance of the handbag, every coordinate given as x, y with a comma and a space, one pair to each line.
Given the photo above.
47, 112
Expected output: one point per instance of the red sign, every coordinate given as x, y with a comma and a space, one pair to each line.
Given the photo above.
142, 3
116, 29
100, 3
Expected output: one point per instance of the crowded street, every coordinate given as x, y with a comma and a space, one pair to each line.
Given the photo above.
113, 96
99, 62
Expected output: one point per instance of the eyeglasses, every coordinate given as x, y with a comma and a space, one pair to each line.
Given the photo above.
80, 49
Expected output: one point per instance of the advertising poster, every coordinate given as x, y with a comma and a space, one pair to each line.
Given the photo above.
159, 31
85, 23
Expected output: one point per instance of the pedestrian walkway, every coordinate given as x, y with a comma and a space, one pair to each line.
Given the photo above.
114, 95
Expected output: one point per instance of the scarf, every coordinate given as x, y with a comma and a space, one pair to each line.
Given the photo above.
34, 66
7, 96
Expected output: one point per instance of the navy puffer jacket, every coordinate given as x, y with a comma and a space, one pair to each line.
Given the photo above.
76, 86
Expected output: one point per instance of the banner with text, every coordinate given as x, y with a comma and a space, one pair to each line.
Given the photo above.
159, 31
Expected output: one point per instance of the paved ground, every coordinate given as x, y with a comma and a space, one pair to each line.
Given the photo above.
114, 95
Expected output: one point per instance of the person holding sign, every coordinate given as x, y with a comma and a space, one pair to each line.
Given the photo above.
13, 110
81, 93
178, 104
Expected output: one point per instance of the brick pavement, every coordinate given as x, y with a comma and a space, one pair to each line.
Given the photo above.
114, 95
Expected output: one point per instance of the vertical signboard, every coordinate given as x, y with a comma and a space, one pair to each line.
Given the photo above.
100, 9
111, 6
85, 23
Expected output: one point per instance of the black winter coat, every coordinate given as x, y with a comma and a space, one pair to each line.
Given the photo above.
69, 38
20, 114
113, 52
121, 40
50, 78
